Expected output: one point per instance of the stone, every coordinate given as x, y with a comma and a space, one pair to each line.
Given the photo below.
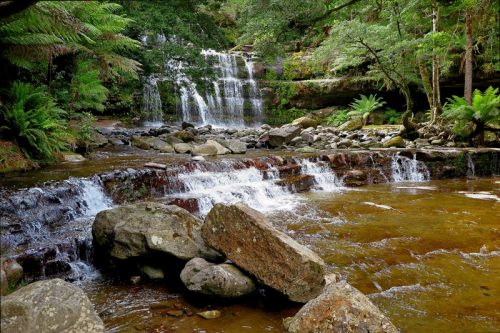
396, 141
211, 314
141, 229
283, 135
340, 308
140, 142
135, 279
183, 148
248, 239
72, 157
304, 122
204, 150
235, 146
224, 280
156, 165
153, 273
306, 150
198, 158
170, 139
116, 142
437, 142
185, 136
352, 125
49, 306
186, 125
221, 150
4, 283
13, 271
98, 140
159, 144
306, 136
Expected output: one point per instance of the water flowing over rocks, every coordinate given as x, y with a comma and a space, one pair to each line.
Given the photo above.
143, 229
248, 239
223, 280
339, 308
49, 306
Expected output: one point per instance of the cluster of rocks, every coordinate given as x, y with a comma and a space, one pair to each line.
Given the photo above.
229, 254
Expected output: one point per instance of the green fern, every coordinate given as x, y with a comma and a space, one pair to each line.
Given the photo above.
35, 122
363, 106
484, 111
87, 91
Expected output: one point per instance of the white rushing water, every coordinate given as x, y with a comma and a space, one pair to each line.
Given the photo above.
92, 196
324, 177
406, 169
152, 107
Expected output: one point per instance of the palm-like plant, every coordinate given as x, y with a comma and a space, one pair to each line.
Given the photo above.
363, 106
35, 122
482, 113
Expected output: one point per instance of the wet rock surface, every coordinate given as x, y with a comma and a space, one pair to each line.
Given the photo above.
142, 229
222, 280
248, 239
49, 306
340, 308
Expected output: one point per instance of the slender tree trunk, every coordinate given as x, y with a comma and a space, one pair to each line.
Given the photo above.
436, 91
426, 81
468, 56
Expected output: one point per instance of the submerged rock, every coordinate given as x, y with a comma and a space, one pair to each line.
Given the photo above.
248, 239
149, 227
49, 306
340, 308
224, 280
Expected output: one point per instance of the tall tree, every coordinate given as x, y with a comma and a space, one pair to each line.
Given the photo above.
468, 55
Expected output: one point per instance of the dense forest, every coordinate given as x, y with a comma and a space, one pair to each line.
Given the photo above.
65, 62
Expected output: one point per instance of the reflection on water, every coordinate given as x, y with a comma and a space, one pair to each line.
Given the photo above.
428, 254
431, 262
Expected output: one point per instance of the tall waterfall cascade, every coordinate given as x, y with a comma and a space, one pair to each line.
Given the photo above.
228, 97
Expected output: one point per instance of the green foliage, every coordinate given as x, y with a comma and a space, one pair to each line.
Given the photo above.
338, 118
363, 106
392, 116
281, 116
35, 122
484, 110
87, 91
85, 128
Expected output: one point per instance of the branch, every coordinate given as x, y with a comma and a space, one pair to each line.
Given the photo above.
336, 9
11, 7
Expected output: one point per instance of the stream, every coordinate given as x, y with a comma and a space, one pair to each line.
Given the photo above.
427, 252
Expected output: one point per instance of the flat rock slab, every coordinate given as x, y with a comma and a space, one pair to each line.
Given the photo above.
340, 308
49, 306
248, 239
137, 230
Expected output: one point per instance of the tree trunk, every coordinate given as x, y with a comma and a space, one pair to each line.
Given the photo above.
468, 56
436, 91
426, 81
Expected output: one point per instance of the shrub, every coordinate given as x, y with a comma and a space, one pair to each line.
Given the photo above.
35, 122
337, 119
392, 116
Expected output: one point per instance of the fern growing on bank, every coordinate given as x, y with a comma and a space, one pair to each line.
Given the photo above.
483, 113
87, 91
363, 106
35, 122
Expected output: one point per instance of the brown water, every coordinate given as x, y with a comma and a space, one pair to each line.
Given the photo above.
430, 260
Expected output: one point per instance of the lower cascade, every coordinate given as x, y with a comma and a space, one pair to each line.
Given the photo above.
404, 169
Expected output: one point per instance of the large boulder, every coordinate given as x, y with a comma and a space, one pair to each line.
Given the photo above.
185, 136
340, 308
49, 306
13, 271
183, 148
352, 125
305, 122
283, 135
396, 141
140, 142
248, 239
204, 150
221, 150
223, 280
159, 144
145, 228
235, 146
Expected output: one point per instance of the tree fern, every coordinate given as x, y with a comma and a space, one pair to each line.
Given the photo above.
363, 106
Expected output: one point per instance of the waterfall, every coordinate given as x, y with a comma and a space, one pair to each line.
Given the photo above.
93, 196
471, 168
405, 169
324, 177
152, 108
